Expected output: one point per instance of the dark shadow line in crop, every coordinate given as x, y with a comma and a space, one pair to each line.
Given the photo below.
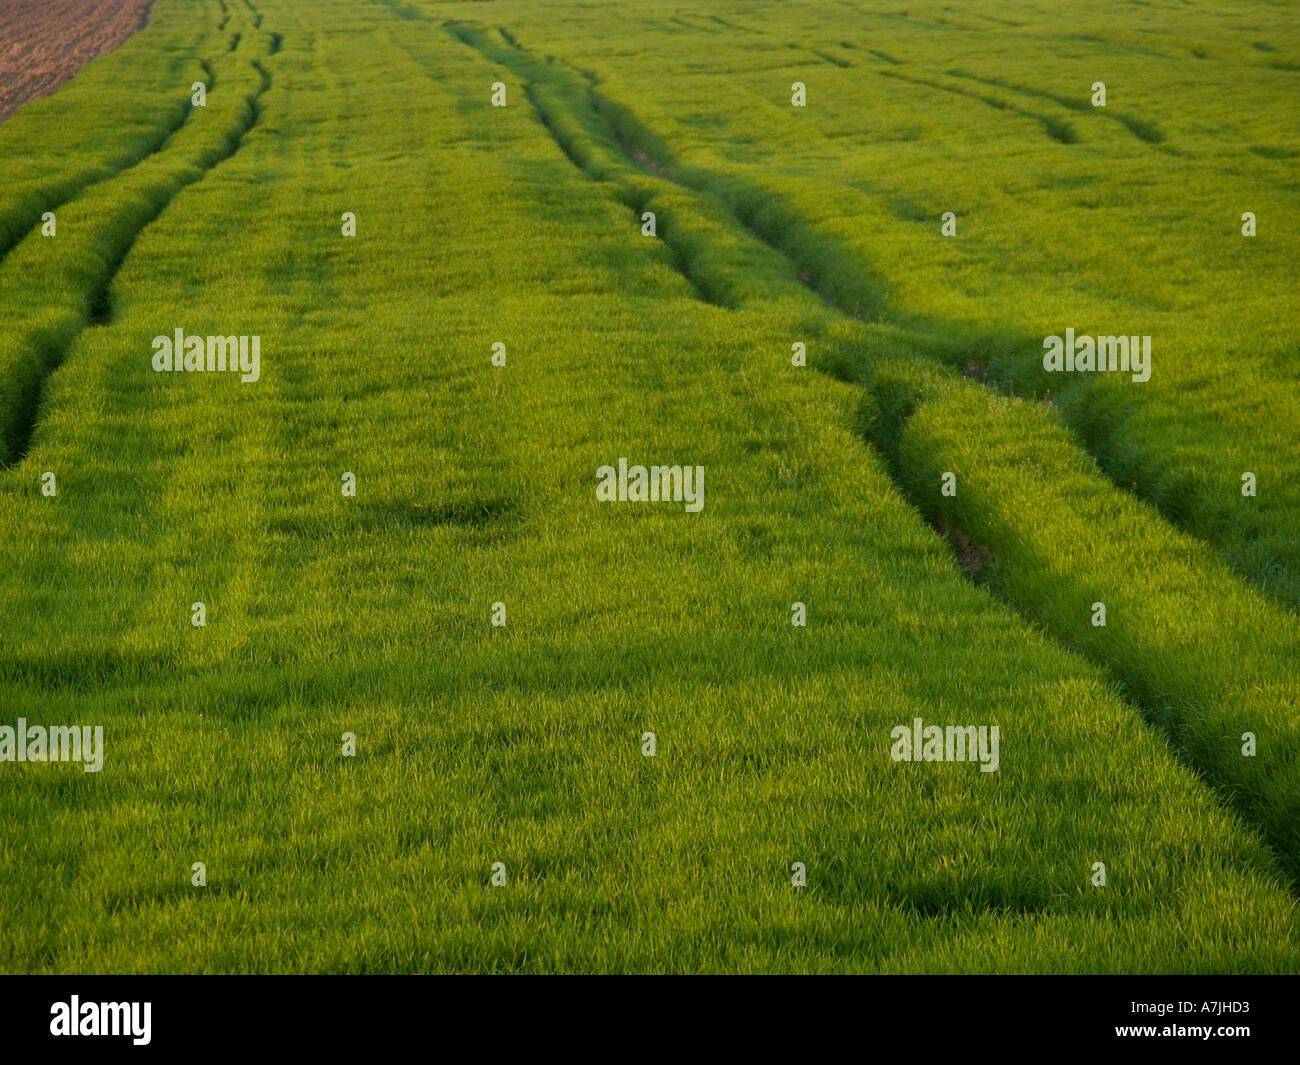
803, 267
1114, 45
732, 25
835, 60
487, 518
1042, 94
598, 126
999, 21
976, 561
746, 221
473, 514
26, 225
1058, 129
253, 11
1140, 128
99, 308
406, 12
593, 124
101, 303
183, 113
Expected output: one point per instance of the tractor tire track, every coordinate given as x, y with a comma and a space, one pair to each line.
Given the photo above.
17, 232
1145, 131
37, 347
1268, 799
1056, 128
566, 130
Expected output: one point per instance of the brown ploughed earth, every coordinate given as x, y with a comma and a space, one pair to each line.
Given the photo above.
45, 42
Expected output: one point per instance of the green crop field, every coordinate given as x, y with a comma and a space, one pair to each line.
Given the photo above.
392, 677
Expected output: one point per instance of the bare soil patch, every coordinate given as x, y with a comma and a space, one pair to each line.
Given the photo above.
44, 42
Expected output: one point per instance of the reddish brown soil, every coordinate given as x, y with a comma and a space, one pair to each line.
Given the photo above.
45, 42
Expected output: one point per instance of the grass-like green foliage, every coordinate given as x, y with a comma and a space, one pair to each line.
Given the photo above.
1206, 658
1131, 223
370, 615
51, 287
58, 145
